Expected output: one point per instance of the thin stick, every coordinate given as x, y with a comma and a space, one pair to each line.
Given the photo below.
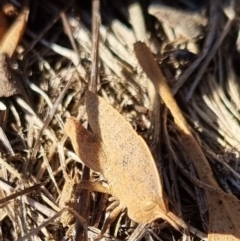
23, 192
95, 50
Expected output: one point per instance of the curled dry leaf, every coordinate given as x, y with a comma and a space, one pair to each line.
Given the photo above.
10, 85
224, 209
12, 37
122, 156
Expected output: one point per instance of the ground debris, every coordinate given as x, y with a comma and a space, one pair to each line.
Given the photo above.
54, 60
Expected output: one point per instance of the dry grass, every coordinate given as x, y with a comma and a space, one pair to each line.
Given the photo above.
54, 63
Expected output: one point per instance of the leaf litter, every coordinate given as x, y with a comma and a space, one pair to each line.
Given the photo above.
200, 70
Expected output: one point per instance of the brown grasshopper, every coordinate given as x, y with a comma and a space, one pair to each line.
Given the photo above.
115, 150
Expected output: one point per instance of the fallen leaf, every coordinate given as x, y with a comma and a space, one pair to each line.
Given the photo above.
12, 37
223, 209
190, 26
10, 84
122, 156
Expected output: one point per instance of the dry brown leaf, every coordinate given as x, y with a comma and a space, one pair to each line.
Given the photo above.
9, 85
224, 209
12, 37
190, 26
122, 156
8, 82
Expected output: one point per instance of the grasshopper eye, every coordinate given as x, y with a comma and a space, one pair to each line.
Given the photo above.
149, 206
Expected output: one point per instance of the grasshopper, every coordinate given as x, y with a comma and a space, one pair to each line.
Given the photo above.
114, 149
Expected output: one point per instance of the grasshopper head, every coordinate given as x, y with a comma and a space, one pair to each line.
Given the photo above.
151, 210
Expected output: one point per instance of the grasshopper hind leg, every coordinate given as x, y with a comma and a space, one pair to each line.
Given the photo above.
114, 209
